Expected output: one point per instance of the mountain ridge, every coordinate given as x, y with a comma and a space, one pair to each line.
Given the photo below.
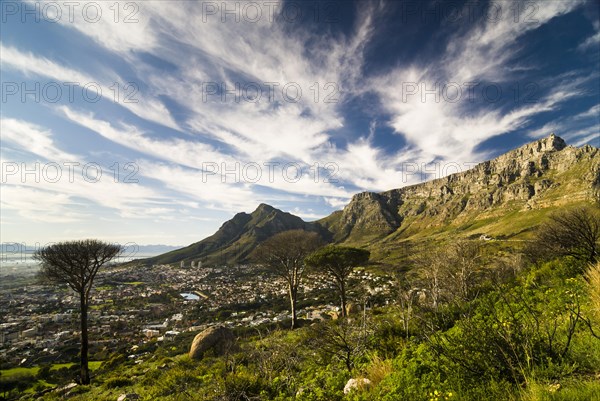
236, 238
523, 184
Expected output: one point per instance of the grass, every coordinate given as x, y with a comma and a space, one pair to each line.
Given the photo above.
104, 288
20, 371
579, 391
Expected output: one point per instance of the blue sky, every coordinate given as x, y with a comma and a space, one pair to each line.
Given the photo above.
154, 122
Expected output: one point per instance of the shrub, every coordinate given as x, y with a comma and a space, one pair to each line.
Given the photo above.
592, 276
378, 370
116, 382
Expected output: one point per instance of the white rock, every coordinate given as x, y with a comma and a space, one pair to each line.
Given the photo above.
359, 383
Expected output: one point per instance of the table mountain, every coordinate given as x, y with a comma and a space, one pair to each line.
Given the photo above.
502, 194
504, 197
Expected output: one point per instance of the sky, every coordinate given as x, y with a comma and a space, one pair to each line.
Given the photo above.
154, 122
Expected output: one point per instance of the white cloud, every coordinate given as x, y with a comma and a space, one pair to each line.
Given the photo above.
483, 52
40, 205
63, 178
336, 202
591, 42
119, 25
34, 139
267, 54
593, 112
198, 157
29, 64
441, 127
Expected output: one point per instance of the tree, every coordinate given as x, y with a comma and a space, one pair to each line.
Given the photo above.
338, 262
407, 296
76, 263
344, 340
463, 261
449, 270
574, 232
283, 254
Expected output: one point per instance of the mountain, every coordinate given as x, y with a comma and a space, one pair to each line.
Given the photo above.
236, 238
504, 198
516, 186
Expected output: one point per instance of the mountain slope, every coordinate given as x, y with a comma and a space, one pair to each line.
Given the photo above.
504, 197
236, 238
542, 175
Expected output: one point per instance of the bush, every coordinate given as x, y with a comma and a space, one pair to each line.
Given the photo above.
116, 382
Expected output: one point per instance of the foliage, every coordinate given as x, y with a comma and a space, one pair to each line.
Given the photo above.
342, 340
574, 232
76, 263
116, 382
338, 262
283, 254
592, 276
516, 332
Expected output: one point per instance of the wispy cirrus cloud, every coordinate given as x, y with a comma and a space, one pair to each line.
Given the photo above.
49, 172
145, 107
432, 105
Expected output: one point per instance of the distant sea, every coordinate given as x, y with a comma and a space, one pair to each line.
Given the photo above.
22, 262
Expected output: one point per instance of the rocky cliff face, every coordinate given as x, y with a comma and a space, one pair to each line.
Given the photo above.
537, 175
504, 194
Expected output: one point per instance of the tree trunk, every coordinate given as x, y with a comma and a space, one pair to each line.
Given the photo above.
293, 297
85, 372
349, 361
343, 297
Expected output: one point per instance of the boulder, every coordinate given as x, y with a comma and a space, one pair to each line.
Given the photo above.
218, 338
357, 384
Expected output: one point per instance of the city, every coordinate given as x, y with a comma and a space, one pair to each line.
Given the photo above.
135, 305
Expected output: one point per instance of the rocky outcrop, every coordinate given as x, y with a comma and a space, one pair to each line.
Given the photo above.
535, 175
219, 339
368, 214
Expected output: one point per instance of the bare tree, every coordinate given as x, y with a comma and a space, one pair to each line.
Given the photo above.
407, 296
449, 270
344, 340
574, 232
429, 260
283, 254
462, 262
76, 263
339, 262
